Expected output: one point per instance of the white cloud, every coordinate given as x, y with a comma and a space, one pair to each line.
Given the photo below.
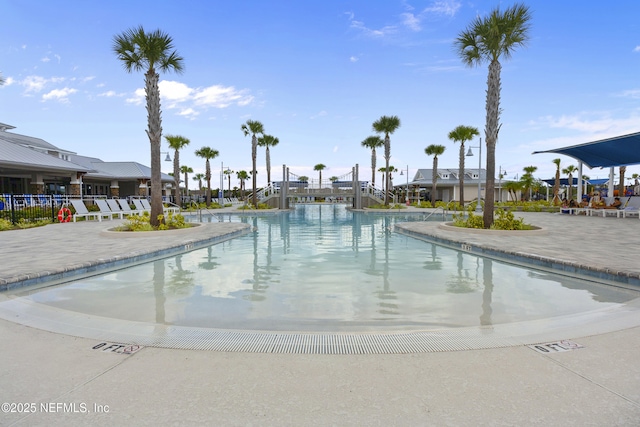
353, 58
636, 49
596, 125
189, 113
61, 95
176, 95
45, 59
632, 93
38, 83
411, 21
382, 32
320, 114
109, 94
443, 7
335, 149
222, 96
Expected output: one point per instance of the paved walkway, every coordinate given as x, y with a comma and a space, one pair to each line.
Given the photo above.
70, 383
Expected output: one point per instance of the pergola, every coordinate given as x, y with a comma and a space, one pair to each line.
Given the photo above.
611, 152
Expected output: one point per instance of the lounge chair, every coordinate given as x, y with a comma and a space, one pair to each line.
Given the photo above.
126, 208
106, 210
147, 206
140, 207
82, 211
115, 207
630, 211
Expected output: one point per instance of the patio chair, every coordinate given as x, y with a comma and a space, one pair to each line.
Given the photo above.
630, 211
140, 207
82, 211
106, 210
147, 207
126, 208
115, 207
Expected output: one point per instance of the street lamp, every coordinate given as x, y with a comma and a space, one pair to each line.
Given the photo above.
407, 193
168, 158
221, 192
470, 153
500, 175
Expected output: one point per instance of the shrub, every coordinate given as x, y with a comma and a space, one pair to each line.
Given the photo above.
142, 222
472, 221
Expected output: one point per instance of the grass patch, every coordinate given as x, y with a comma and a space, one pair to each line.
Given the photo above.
5, 224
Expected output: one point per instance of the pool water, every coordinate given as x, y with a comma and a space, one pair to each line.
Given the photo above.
322, 267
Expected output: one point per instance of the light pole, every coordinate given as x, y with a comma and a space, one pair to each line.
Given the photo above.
500, 175
221, 192
470, 153
407, 191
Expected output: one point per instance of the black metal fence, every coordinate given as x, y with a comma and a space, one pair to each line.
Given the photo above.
18, 208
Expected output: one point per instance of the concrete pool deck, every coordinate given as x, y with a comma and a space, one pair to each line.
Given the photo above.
595, 385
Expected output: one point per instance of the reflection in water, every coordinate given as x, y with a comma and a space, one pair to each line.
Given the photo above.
487, 280
158, 290
321, 266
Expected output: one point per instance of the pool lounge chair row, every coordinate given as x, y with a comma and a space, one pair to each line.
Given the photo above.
110, 208
631, 209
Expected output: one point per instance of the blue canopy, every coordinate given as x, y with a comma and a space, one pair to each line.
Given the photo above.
565, 181
618, 151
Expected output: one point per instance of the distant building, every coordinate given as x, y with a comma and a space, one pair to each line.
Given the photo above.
447, 184
30, 165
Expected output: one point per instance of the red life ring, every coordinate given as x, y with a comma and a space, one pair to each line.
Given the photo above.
64, 215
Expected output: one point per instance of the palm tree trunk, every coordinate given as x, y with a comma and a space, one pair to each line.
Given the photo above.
268, 166
622, 170
387, 157
373, 167
254, 155
461, 173
434, 180
176, 178
186, 184
492, 127
556, 188
154, 132
207, 175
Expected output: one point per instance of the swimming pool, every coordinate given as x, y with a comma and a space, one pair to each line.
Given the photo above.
323, 268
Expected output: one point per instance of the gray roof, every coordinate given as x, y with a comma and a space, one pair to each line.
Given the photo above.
445, 176
29, 153
27, 141
123, 170
17, 155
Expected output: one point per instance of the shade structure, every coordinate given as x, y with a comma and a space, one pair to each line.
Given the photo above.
618, 151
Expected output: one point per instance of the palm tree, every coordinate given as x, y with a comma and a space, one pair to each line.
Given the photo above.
268, 141
149, 52
319, 167
373, 142
435, 151
513, 187
486, 40
462, 134
177, 143
229, 172
242, 176
621, 188
386, 125
528, 180
207, 153
569, 170
556, 184
186, 170
198, 177
254, 128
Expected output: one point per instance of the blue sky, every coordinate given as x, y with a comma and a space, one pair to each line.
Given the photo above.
317, 74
